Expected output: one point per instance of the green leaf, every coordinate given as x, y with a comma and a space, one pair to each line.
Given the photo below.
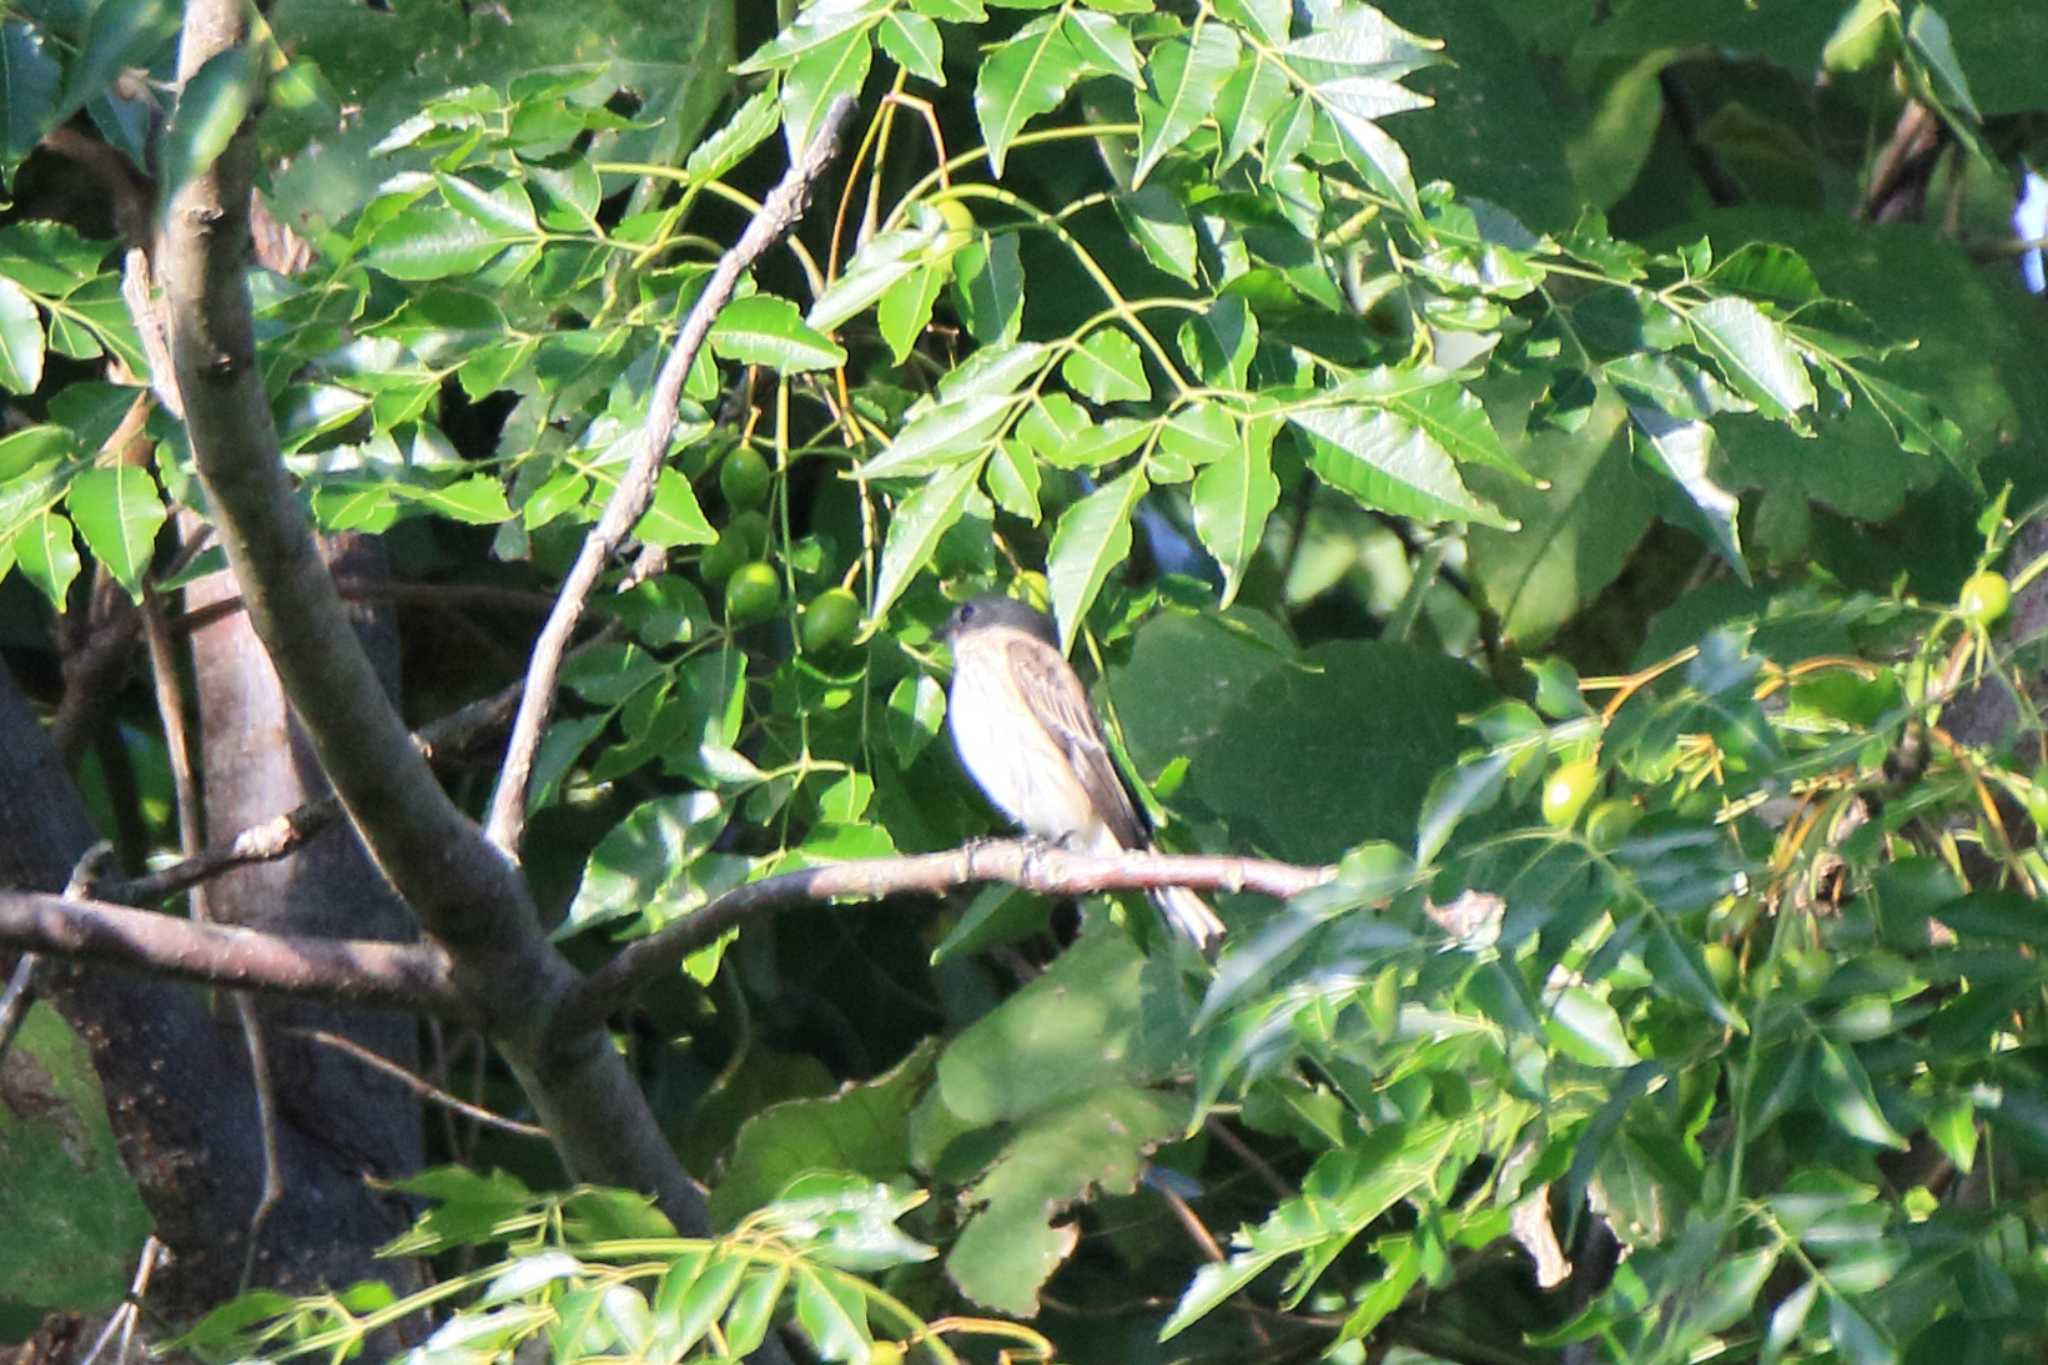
119, 513
1577, 528
821, 76
942, 437
1104, 45
120, 34
1386, 461
1754, 355
1092, 1141
73, 1215
1233, 497
747, 129
1024, 77
1069, 1032
914, 530
641, 863
674, 516
832, 1313
887, 258
1345, 1192
1014, 480
506, 211
1845, 1095
431, 242
21, 340
1247, 105
1183, 79
988, 287
905, 309
45, 551
815, 27
863, 1128
913, 43
1927, 37
1160, 226
917, 708
210, 109
1585, 1028
1683, 452
1093, 537
763, 329
29, 79
1107, 368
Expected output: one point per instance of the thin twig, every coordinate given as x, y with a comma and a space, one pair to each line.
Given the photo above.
419, 1085
779, 214
1034, 867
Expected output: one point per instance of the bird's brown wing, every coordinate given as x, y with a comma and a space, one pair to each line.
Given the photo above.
1055, 697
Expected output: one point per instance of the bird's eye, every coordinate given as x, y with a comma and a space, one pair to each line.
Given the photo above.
967, 613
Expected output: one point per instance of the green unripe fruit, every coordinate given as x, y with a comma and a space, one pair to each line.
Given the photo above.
1566, 792
745, 479
718, 561
959, 224
1610, 823
751, 530
752, 593
1984, 598
1720, 960
830, 621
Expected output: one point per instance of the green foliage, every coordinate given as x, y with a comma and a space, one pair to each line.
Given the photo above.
1318, 365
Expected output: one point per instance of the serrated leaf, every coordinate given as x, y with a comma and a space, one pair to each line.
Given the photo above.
119, 512
886, 259
1107, 368
1683, 453
1022, 78
988, 287
763, 329
1387, 462
819, 78
1104, 45
431, 242
1159, 225
1093, 537
1233, 497
914, 530
942, 436
1183, 79
913, 43
674, 517
747, 129
1754, 355
505, 211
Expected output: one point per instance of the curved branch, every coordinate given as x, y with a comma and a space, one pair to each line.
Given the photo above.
413, 977
779, 213
1034, 867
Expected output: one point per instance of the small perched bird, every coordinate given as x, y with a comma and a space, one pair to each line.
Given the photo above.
1029, 739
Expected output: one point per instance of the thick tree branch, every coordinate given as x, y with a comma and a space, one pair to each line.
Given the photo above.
1034, 867
779, 214
456, 882
467, 894
412, 977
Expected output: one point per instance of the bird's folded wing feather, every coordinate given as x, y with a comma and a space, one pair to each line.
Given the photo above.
1054, 695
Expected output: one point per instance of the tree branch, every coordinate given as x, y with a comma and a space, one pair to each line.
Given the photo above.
779, 213
413, 977
468, 895
1034, 867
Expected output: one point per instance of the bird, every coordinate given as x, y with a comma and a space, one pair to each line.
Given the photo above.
1027, 735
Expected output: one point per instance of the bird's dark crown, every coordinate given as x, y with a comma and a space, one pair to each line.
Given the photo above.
985, 612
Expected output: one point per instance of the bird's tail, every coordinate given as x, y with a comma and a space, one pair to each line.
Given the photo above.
1190, 915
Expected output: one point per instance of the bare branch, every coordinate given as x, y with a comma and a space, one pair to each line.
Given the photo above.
1034, 867
779, 214
433, 1094
416, 978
